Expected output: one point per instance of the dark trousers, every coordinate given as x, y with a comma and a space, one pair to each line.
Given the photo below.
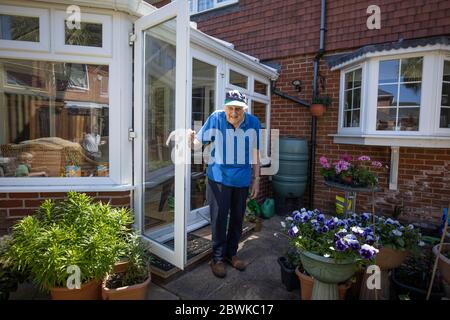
224, 200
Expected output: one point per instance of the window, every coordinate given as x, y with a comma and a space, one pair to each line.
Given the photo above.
238, 79
197, 6
24, 29
48, 126
88, 34
19, 28
260, 88
399, 94
444, 120
352, 98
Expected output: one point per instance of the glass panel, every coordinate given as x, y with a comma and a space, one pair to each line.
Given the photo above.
387, 95
356, 98
411, 69
259, 110
410, 94
238, 79
355, 118
386, 118
260, 88
348, 80
47, 127
357, 80
408, 119
347, 119
388, 71
446, 76
445, 118
445, 98
88, 35
159, 122
205, 4
203, 104
19, 28
348, 99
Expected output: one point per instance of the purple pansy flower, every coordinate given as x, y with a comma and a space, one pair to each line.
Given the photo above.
321, 218
354, 244
367, 251
364, 158
340, 245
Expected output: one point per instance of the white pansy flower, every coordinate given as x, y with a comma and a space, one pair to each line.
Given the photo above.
397, 233
283, 224
294, 229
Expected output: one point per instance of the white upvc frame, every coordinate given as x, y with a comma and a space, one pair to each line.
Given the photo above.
216, 5
176, 9
440, 72
242, 71
120, 76
44, 29
431, 86
362, 119
59, 27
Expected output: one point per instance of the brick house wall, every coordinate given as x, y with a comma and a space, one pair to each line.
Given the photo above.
287, 32
15, 205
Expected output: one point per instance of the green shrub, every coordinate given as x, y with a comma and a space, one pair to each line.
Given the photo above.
76, 231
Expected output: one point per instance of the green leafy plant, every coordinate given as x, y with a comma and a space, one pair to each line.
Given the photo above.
253, 210
139, 261
74, 232
10, 277
324, 100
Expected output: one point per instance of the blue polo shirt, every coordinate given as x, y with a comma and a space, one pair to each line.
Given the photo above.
231, 157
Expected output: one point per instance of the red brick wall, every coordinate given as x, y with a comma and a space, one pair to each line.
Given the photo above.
14, 206
272, 29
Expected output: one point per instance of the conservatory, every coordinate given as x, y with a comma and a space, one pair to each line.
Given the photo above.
90, 92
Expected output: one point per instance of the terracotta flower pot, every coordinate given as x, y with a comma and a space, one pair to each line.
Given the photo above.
88, 291
386, 260
120, 266
317, 110
444, 262
307, 284
134, 292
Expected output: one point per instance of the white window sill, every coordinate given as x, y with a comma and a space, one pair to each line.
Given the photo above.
393, 140
65, 188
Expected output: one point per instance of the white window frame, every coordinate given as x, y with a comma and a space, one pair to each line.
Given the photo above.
429, 133
440, 73
44, 29
352, 130
59, 28
216, 5
243, 72
120, 161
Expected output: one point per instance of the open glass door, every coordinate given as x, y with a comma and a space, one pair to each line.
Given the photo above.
161, 58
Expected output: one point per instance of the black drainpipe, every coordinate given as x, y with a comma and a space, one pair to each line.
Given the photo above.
314, 93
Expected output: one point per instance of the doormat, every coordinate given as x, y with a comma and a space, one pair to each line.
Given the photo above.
195, 246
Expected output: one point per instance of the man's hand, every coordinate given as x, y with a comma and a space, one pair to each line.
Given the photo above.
255, 189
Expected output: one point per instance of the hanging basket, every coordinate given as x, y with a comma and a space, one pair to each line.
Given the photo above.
317, 110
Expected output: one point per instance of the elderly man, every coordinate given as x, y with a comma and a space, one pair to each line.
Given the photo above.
230, 175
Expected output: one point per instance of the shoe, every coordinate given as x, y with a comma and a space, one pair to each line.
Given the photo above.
218, 268
236, 263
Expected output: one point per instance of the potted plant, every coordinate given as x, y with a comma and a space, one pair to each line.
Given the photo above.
396, 242
10, 277
288, 264
318, 105
443, 260
253, 214
132, 282
72, 158
330, 249
76, 234
352, 172
413, 276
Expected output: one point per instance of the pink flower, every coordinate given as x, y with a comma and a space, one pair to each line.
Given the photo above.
342, 166
376, 164
364, 158
346, 157
324, 162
